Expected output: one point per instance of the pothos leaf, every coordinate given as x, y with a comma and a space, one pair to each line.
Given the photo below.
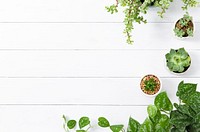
133, 125
103, 122
162, 102
179, 120
194, 102
185, 90
147, 126
84, 121
71, 124
152, 110
116, 128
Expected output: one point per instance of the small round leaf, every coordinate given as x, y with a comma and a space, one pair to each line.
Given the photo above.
71, 124
84, 121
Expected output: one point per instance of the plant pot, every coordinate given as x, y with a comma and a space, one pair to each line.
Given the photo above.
184, 30
184, 68
157, 87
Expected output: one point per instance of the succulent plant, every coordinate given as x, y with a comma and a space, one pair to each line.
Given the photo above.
184, 27
150, 84
178, 61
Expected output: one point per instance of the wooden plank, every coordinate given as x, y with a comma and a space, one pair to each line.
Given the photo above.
49, 118
92, 36
90, 63
77, 11
99, 91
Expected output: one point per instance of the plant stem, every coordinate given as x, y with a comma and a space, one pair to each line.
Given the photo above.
165, 112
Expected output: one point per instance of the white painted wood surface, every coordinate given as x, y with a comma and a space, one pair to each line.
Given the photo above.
70, 57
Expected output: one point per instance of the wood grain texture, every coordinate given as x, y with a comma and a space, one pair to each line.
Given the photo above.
90, 63
49, 118
92, 36
82, 91
77, 11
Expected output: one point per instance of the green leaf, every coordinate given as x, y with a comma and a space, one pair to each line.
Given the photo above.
152, 110
164, 123
133, 125
194, 127
103, 122
194, 102
71, 124
81, 131
84, 121
147, 126
186, 109
185, 90
156, 118
179, 120
116, 128
197, 118
162, 102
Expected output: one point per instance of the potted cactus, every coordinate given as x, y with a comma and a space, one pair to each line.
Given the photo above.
150, 85
184, 27
178, 61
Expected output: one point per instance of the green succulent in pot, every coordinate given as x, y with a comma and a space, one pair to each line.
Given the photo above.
184, 27
178, 61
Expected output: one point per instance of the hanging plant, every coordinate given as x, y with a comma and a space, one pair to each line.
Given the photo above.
134, 11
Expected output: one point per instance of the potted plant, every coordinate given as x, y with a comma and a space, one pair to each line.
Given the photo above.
133, 12
184, 27
178, 61
150, 85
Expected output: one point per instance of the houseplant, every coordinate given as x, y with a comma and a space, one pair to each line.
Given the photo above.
163, 116
133, 12
150, 85
178, 61
184, 27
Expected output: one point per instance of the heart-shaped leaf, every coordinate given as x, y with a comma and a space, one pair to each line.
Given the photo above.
84, 121
103, 122
71, 124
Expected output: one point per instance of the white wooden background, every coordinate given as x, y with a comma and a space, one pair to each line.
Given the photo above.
70, 57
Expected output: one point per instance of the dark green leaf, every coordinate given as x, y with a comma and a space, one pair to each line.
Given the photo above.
185, 109
133, 125
152, 111
179, 120
147, 126
84, 121
103, 122
197, 118
116, 128
194, 102
162, 102
71, 124
185, 90
194, 127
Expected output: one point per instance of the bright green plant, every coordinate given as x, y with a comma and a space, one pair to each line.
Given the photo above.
71, 124
178, 60
104, 123
150, 84
185, 117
